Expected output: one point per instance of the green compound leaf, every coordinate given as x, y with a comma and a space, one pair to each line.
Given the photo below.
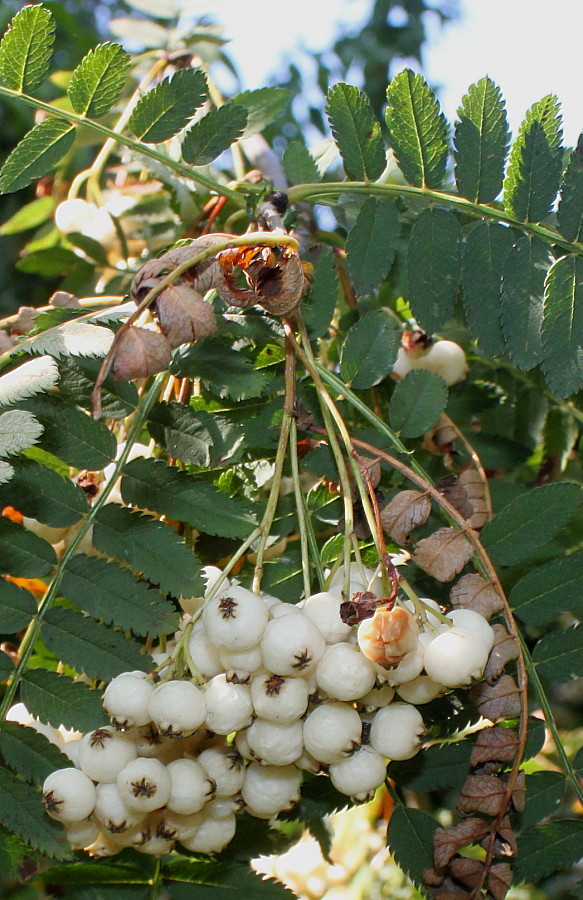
19, 430
41, 493
90, 647
433, 267
213, 134
562, 329
543, 594
78, 374
559, 655
370, 349
224, 371
183, 497
36, 154
484, 255
410, 840
17, 607
263, 106
167, 108
356, 131
31, 215
26, 48
417, 403
318, 307
481, 142
570, 212
372, 243
32, 377
438, 767
548, 848
535, 165
21, 811
58, 700
22, 553
107, 591
195, 436
544, 793
219, 880
418, 130
522, 310
97, 81
29, 753
298, 164
529, 522
151, 548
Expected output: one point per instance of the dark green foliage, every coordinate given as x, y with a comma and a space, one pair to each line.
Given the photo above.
544, 793
195, 436
410, 840
356, 131
436, 768
417, 402
562, 328
22, 813
213, 134
98, 80
167, 108
299, 165
485, 251
41, 493
22, 553
370, 349
481, 140
26, 49
263, 106
318, 307
523, 300
17, 607
58, 700
41, 149
559, 655
372, 243
29, 753
223, 370
570, 212
78, 374
548, 848
550, 590
433, 267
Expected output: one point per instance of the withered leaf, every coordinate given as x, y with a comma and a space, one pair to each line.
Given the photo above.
474, 592
499, 880
443, 554
432, 877
482, 794
494, 744
476, 491
440, 439
497, 701
468, 871
504, 839
448, 841
504, 649
450, 891
519, 792
183, 315
403, 513
140, 352
455, 493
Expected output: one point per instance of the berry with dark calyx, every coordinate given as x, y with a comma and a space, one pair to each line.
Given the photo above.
68, 795
332, 731
279, 699
360, 774
236, 620
104, 752
177, 708
229, 706
397, 731
126, 700
292, 645
191, 786
144, 784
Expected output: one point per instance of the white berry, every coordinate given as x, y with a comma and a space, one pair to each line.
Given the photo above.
229, 706
126, 700
397, 731
204, 654
236, 620
144, 784
359, 774
112, 812
344, 673
279, 699
177, 708
331, 731
422, 689
104, 752
275, 744
68, 795
292, 645
226, 768
212, 836
190, 788
267, 790
323, 610
456, 658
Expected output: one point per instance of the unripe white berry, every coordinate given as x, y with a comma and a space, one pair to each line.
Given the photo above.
359, 774
177, 825
274, 744
226, 768
212, 836
409, 668
205, 654
323, 610
177, 708
279, 609
422, 689
267, 790
112, 812
144, 784
150, 743
190, 788
344, 673
155, 846
73, 215
397, 731
279, 699
229, 706
241, 664
68, 795
126, 700
331, 731
378, 697
81, 834
445, 358
457, 657
292, 645
104, 752
237, 620
473, 621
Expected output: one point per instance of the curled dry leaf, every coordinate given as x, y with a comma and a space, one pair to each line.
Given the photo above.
449, 841
474, 592
403, 513
499, 880
140, 352
475, 489
469, 871
455, 493
440, 439
504, 649
443, 554
496, 744
482, 794
504, 839
24, 321
183, 315
64, 300
497, 701
451, 891
519, 792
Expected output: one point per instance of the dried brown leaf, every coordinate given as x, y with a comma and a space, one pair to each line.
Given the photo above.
65, 300
505, 648
482, 794
183, 314
469, 871
504, 839
443, 554
455, 493
519, 792
432, 877
451, 891
474, 592
139, 353
449, 841
24, 321
499, 880
441, 438
497, 701
495, 744
406, 511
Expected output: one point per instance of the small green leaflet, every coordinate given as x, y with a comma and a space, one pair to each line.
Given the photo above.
436, 768
544, 793
26, 48
181, 496
195, 436
410, 840
298, 164
36, 154
216, 880
433, 267
71, 338
558, 656
356, 132
535, 165
372, 243
98, 80
213, 134
19, 430
418, 130
29, 753
31, 215
370, 349
543, 594
224, 371
549, 848
58, 700
167, 108
33, 377
417, 402
41, 493
22, 553
560, 435
318, 307
90, 647
562, 329
263, 107
570, 212
17, 607
523, 286
530, 522
21, 811
106, 590
78, 375
481, 142
485, 251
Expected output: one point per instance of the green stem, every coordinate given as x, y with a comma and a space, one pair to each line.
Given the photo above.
300, 507
272, 501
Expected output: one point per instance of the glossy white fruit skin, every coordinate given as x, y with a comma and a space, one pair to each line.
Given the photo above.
81, 834
229, 706
183, 826
422, 689
190, 788
177, 708
292, 645
241, 664
359, 774
344, 673
267, 790
331, 731
397, 731
323, 610
144, 784
445, 358
273, 744
126, 700
73, 791
409, 668
205, 655
212, 836
73, 215
456, 657
235, 620
112, 812
378, 697
155, 846
279, 699
473, 621
226, 768
103, 753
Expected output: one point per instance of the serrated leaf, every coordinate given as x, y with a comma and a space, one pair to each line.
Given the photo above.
372, 243
213, 134
356, 132
219, 880
31, 215
263, 106
17, 607
73, 339
71, 434
58, 700
6, 472
21, 811
570, 211
29, 753
535, 164
149, 547
98, 879
522, 307
78, 374
41, 493
548, 848
298, 164
481, 142
546, 592
105, 590
558, 656
97, 81
22, 553
36, 154
418, 130
410, 840
417, 402
370, 349
89, 647
318, 307
530, 522
19, 430
26, 48
544, 793
562, 328
436, 768
433, 267
195, 436
167, 108
13, 853
182, 497
224, 371
484, 255
33, 377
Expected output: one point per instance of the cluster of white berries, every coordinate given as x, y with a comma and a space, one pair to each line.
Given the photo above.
445, 358
282, 689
